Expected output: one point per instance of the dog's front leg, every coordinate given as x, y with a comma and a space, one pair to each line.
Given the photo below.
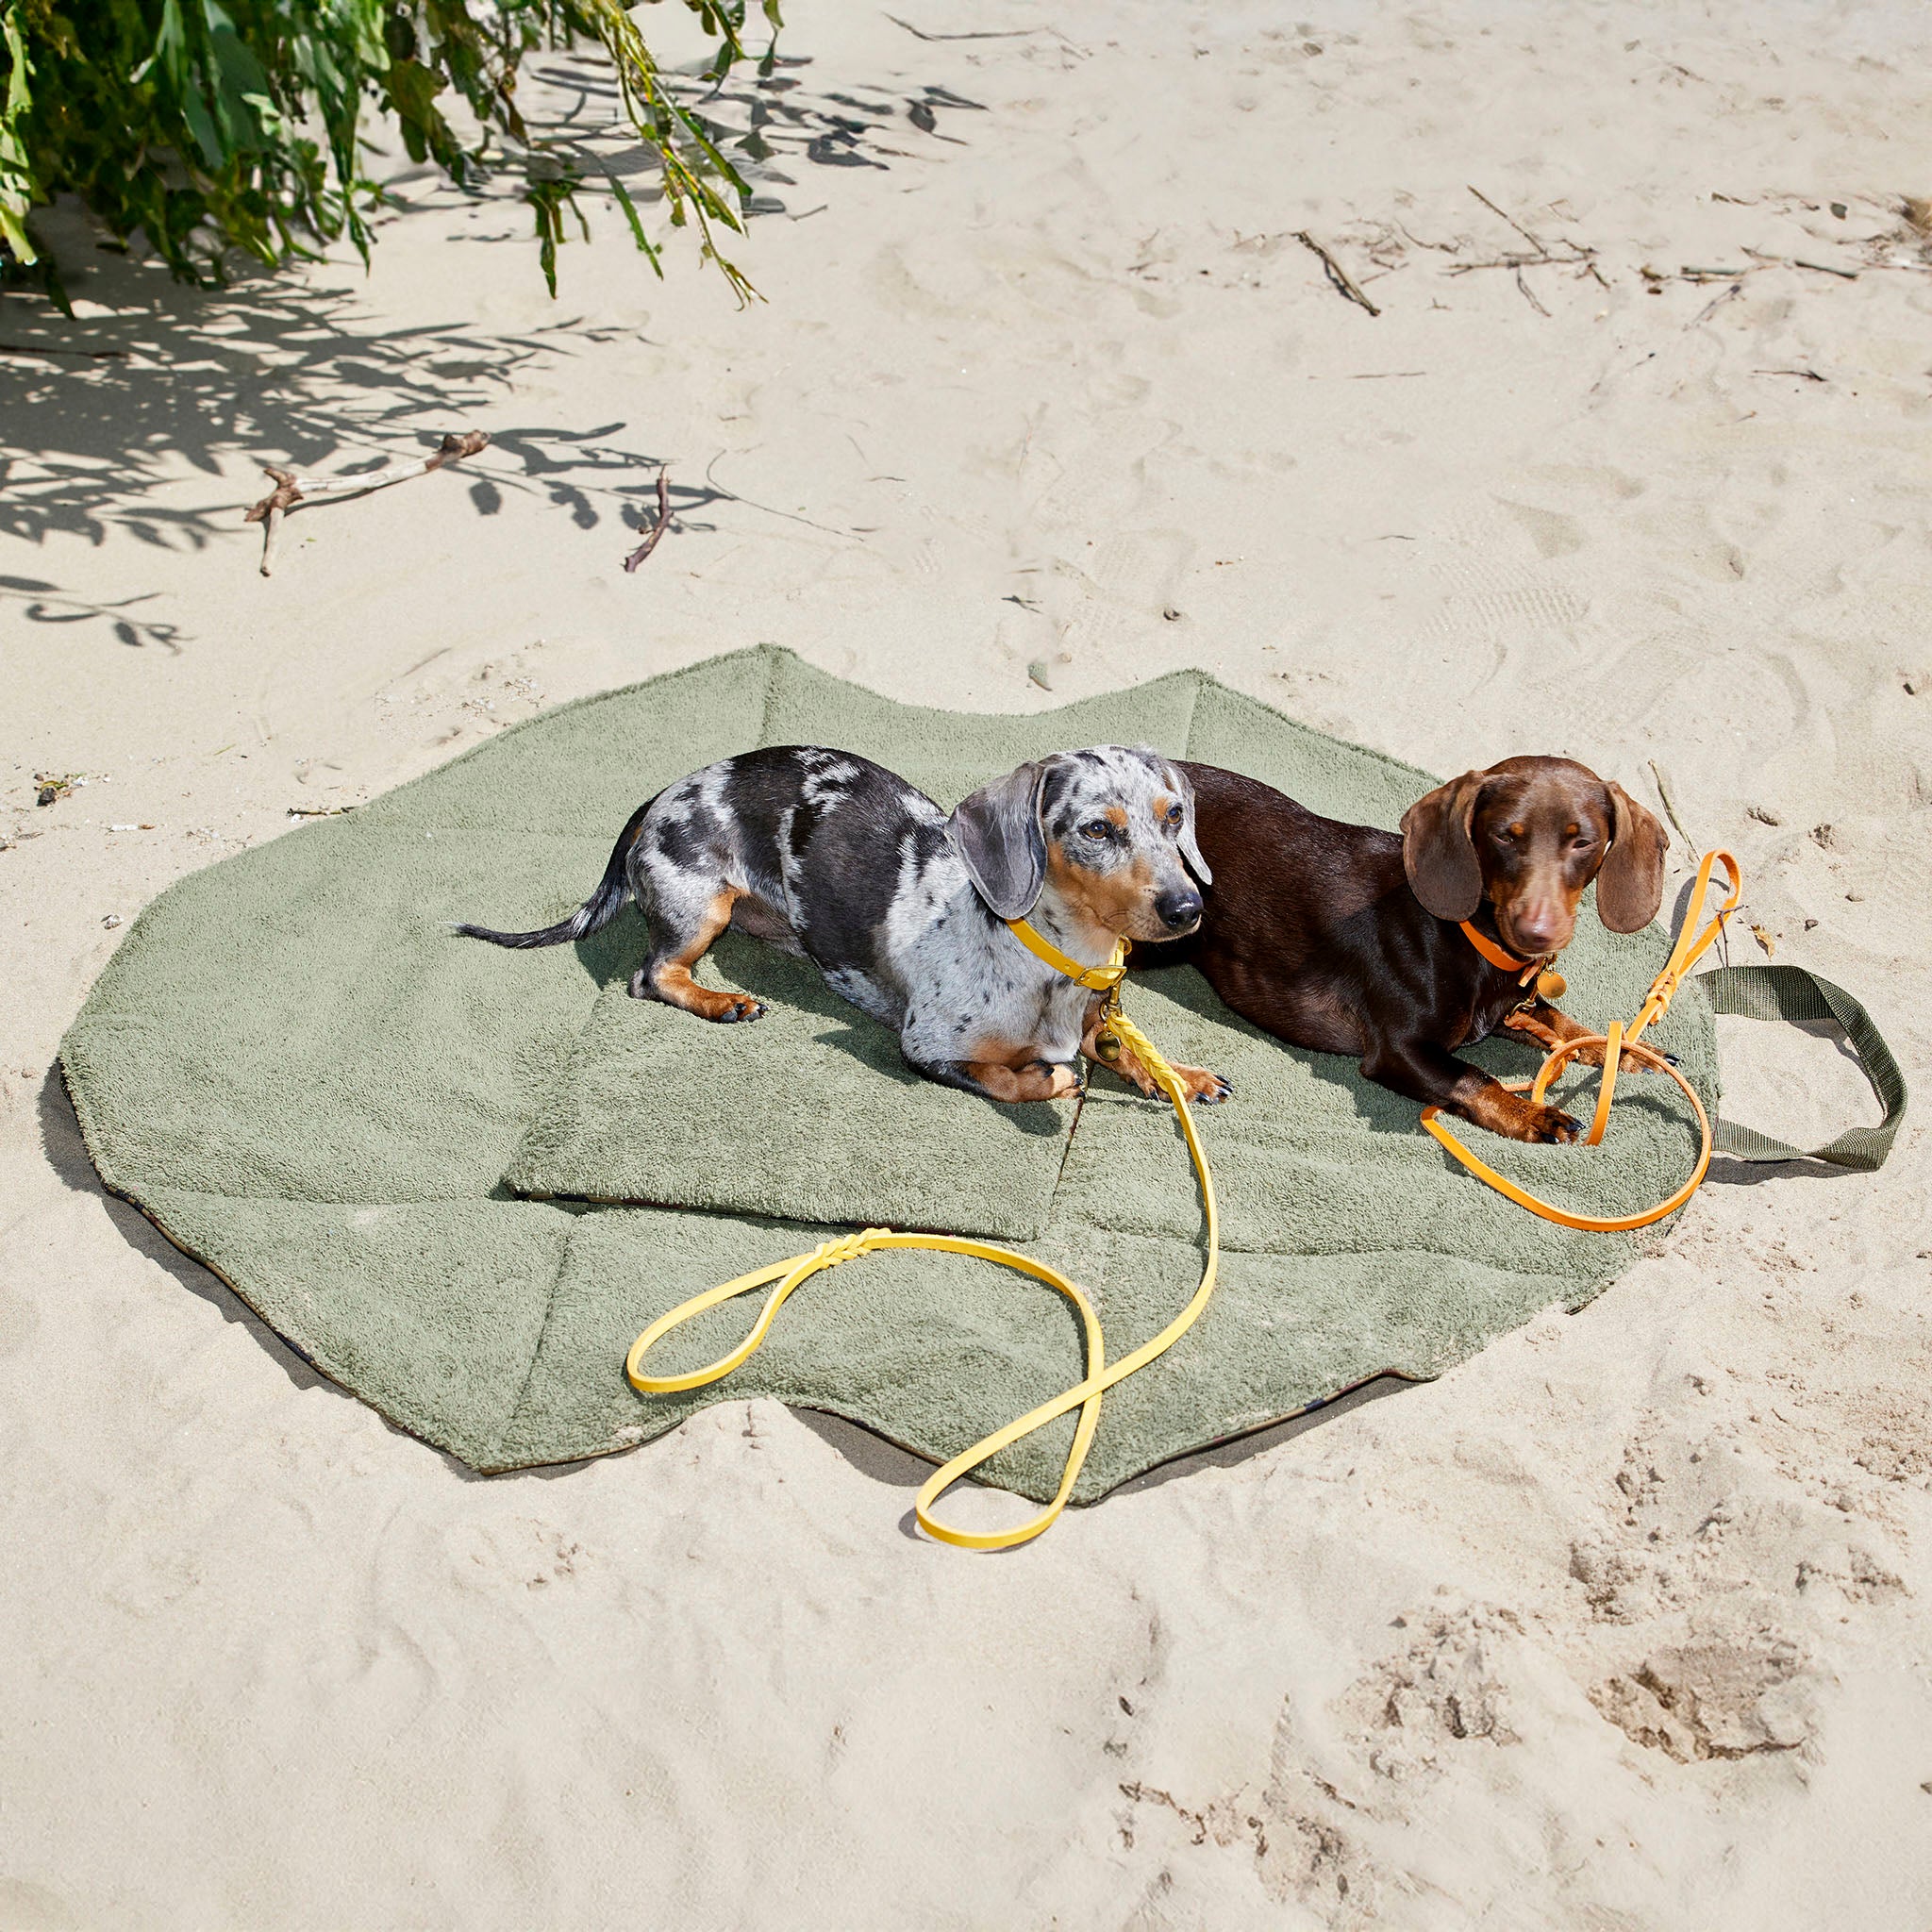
1206, 1088
1433, 1075
1543, 1023
1001, 1080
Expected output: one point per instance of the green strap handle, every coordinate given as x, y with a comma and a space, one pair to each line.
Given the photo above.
1790, 992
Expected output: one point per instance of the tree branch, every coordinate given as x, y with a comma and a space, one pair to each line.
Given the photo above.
292, 487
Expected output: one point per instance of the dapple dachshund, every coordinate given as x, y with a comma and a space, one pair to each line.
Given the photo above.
903, 908
1346, 940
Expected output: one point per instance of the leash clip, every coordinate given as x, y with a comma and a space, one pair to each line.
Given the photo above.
1106, 1042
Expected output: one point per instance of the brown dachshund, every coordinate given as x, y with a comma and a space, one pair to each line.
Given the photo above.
1346, 940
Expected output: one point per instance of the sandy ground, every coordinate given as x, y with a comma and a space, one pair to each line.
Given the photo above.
1626, 1622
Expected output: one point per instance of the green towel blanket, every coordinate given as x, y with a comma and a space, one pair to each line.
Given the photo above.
461, 1180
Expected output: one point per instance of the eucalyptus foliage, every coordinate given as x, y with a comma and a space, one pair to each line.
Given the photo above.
218, 124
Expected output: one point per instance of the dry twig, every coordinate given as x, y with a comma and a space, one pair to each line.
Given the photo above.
1534, 240
1669, 803
1712, 306
291, 489
1529, 296
650, 542
1345, 284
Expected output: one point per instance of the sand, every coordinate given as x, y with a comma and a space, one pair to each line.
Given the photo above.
1624, 1623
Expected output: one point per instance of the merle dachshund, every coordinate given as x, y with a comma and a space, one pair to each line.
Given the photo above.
904, 908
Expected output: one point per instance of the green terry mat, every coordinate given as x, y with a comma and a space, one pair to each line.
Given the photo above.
635, 1111
461, 1180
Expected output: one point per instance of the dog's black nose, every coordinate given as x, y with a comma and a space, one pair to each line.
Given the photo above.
1179, 911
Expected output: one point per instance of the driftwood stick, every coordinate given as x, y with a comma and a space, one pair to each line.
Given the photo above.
650, 542
1345, 284
292, 487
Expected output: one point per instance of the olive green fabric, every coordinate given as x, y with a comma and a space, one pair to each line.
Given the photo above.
766, 1117
307, 1080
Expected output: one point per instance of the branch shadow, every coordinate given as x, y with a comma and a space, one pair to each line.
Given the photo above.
99, 412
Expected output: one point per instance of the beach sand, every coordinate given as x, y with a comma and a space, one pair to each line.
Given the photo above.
1624, 1623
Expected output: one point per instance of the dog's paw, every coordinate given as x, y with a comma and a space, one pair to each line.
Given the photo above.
1203, 1087
735, 1008
1516, 1117
1550, 1126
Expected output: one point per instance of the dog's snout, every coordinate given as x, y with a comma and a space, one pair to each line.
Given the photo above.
1536, 928
1179, 911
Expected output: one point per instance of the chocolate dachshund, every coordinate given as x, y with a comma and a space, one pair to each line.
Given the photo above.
1347, 939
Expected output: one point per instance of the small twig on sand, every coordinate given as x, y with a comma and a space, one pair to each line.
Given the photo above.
1669, 803
1345, 284
1712, 306
650, 542
1015, 33
1529, 295
1534, 240
1802, 375
291, 489
1824, 268
1581, 259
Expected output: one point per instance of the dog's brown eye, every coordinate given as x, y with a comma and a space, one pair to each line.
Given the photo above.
1095, 828
1173, 814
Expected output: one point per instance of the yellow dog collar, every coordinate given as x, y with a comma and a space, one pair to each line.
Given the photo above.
1095, 978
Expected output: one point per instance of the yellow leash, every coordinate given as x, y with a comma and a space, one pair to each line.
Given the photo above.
1690, 948
1120, 1034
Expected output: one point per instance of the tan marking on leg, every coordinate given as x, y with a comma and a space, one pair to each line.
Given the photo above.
1013, 1070
1038, 1081
672, 982
1553, 1028
1207, 1088
1196, 1082
1517, 1117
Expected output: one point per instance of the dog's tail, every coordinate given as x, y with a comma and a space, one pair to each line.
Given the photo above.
596, 913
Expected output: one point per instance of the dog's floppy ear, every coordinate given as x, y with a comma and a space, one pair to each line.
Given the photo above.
1438, 853
1177, 782
1631, 882
998, 833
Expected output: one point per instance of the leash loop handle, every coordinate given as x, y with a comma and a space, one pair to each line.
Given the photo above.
1691, 946
1084, 1395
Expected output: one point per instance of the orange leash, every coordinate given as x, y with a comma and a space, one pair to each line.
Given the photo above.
1690, 948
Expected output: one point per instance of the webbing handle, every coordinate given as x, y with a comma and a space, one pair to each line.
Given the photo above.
1794, 994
